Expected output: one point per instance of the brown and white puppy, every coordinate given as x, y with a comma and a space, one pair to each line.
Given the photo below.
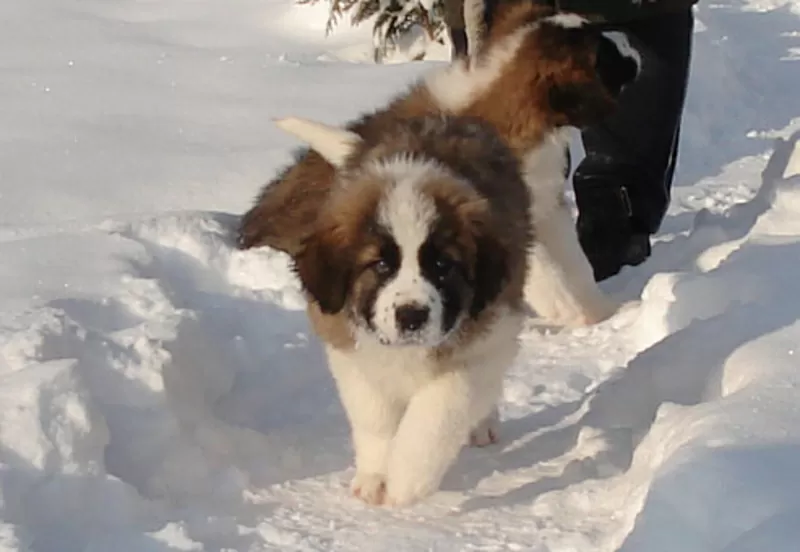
414, 271
535, 76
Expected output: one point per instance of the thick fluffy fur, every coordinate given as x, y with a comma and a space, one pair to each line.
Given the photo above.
414, 270
533, 76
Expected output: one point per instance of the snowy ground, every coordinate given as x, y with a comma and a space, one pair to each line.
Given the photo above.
161, 391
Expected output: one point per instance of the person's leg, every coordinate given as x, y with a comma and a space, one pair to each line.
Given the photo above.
467, 22
453, 14
622, 186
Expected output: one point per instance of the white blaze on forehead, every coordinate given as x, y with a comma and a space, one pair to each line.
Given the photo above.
620, 40
406, 211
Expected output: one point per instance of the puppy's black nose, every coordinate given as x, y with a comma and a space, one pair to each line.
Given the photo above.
410, 318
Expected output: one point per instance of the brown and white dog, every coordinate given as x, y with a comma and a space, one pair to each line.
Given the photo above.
415, 271
535, 77
420, 231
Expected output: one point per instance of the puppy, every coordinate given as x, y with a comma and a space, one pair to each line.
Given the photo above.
414, 269
535, 76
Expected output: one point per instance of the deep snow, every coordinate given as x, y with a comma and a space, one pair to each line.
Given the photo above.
162, 391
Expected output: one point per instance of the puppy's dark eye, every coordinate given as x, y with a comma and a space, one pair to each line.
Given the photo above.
381, 267
445, 266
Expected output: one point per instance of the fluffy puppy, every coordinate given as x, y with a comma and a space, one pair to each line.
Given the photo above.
535, 76
414, 271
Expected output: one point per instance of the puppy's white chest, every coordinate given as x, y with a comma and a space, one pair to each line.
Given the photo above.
396, 371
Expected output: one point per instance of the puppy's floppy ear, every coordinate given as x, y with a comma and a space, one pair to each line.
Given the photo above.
617, 62
324, 266
586, 101
582, 104
491, 270
332, 143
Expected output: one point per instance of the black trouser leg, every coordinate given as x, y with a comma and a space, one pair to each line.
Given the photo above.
637, 147
454, 20
623, 185
458, 39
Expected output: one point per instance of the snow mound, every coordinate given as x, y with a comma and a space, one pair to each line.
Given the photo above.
156, 393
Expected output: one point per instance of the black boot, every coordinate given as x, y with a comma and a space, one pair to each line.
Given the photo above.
622, 187
608, 232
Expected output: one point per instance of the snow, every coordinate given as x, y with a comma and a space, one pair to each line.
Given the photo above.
162, 391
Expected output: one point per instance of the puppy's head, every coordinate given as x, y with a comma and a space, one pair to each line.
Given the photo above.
590, 68
575, 68
404, 249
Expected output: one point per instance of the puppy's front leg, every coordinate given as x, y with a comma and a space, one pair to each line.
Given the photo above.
373, 421
433, 430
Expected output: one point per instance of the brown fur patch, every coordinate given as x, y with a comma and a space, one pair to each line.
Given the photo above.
549, 83
340, 244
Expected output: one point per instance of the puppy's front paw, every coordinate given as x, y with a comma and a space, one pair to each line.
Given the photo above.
483, 435
369, 487
406, 493
409, 483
